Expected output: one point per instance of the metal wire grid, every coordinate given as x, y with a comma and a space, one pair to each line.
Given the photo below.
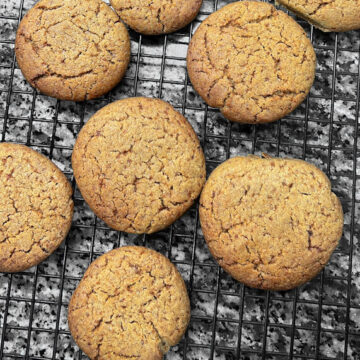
251, 326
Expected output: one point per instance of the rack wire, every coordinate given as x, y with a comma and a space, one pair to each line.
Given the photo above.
320, 320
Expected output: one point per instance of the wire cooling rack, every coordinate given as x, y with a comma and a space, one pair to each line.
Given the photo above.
320, 320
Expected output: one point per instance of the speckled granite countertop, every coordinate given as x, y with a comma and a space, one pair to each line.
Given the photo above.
319, 320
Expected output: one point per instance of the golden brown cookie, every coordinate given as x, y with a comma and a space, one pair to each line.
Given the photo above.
72, 49
36, 207
131, 303
270, 223
252, 61
158, 16
138, 164
328, 15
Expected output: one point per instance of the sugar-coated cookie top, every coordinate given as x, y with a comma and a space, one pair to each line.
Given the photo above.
157, 16
131, 303
72, 49
36, 207
334, 15
252, 61
138, 164
271, 223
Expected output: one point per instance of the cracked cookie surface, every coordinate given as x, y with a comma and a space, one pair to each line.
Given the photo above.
270, 223
157, 16
138, 164
72, 49
36, 207
253, 62
327, 15
131, 303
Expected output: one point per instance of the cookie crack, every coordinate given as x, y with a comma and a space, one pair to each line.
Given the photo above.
16, 250
65, 77
49, 8
207, 51
120, 355
310, 16
311, 246
124, 8
164, 346
158, 17
281, 93
320, 6
232, 22
221, 259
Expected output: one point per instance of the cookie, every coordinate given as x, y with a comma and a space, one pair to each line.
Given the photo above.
36, 207
270, 223
138, 164
131, 303
158, 16
333, 15
72, 49
251, 61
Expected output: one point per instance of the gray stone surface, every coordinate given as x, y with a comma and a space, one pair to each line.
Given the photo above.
322, 130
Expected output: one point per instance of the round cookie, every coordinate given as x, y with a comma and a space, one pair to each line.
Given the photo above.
72, 49
252, 61
36, 207
270, 223
333, 15
138, 164
131, 303
158, 16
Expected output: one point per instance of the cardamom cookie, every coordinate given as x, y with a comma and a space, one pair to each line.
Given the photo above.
138, 164
36, 207
131, 303
158, 16
328, 15
72, 49
270, 223
252, 61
